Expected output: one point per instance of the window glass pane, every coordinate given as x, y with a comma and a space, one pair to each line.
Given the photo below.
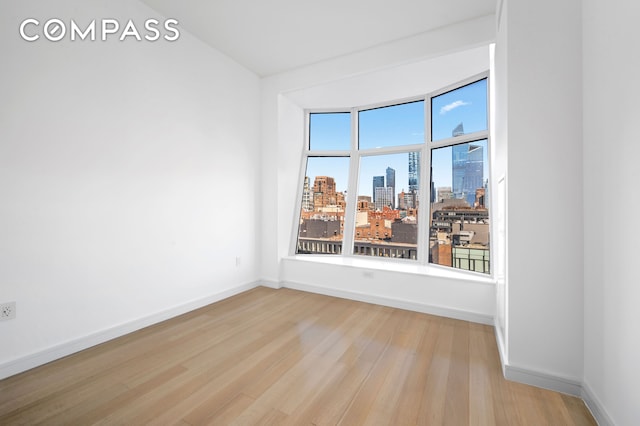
459, 229
387, 210
459, 111
394, 125
321, 222
330, 131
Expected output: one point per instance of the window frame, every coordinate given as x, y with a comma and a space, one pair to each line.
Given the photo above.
355, 154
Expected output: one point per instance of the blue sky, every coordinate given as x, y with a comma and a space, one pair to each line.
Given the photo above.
466, 105
395, 126
391, 126
330, 131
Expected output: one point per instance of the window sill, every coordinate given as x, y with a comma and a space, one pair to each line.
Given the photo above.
391, 265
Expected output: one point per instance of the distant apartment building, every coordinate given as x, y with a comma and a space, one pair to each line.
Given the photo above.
383, 198
375, 225
364, 203
404, 230
407, 200
444, 193
324, 192
318, 228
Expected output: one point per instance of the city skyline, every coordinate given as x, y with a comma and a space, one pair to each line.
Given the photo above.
376, 165
463, 109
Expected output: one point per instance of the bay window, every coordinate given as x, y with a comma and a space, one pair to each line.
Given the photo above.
406, 180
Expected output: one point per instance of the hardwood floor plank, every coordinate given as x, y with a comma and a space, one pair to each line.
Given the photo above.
481, 393
84, 413
457, 394
362, 403
110, 357
211, 387
414, 387
227, 413
401, 354
355, 364
432, 407
287, 357
298, 382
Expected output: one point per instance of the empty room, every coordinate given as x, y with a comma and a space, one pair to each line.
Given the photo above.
340, 212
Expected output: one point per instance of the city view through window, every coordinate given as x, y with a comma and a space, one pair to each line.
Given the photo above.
386, 201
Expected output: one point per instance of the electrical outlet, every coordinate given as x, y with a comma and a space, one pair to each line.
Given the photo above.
7, 311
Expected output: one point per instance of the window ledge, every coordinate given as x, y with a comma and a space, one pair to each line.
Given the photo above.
407, 267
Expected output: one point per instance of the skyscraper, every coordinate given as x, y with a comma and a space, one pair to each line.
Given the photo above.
458, 131
468, 171
307, 197
414, 171
433, 189
384, 197
391, 183
378, 182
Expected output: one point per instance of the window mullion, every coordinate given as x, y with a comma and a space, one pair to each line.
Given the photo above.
293, 247
466, 138
352, 194
391, 150
424, 210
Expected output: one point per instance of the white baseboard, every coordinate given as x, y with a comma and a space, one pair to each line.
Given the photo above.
595, 406
543, 380
53, 353
502, 347
271, 284
393, 303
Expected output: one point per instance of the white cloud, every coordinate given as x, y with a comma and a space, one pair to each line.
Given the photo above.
453, 105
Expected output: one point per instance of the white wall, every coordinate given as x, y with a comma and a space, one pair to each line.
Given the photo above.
400, 286
397, 82
432, 66
541, 61
611, 152
128, 176
499, 127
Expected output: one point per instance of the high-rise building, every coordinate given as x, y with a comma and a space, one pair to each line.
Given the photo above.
378, 182
458, 131
414, 171
307, 197
391, 183
468, 169
324, 191
384, 197
487, 201
433, 189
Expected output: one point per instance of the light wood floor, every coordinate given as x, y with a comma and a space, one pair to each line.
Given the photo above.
287, 357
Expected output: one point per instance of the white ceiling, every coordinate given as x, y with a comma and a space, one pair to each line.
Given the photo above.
272, 36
